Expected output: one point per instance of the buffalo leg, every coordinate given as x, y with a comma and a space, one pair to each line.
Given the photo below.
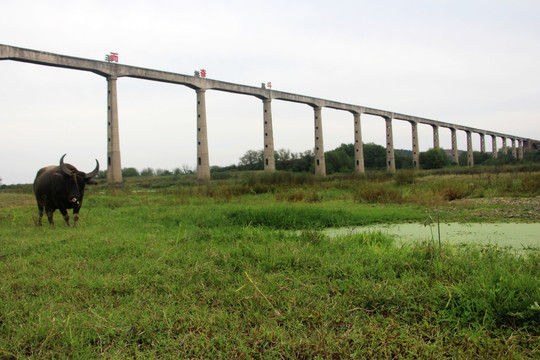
75, 218
50, 213
66, 216
40, 214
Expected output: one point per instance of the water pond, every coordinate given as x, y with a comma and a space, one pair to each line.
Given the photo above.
516, 235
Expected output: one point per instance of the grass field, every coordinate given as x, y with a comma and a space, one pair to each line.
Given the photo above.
241, 269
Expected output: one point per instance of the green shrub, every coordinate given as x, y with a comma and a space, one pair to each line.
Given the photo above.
434, 158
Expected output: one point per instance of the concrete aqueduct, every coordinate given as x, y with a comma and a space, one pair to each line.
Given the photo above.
112, 71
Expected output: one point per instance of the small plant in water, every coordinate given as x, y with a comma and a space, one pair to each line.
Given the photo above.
430, 221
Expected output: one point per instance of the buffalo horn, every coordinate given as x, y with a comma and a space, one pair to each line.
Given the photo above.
64, 167
94, 172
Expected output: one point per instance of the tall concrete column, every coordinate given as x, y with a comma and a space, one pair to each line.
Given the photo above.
513, 142
203, 162
455, 154
520, 149
358, 146
482, 142
494, 146
415, 152
320, 164
526, 145
114, 166
504, 146
435, 136
390, 157
268, 153
470, 158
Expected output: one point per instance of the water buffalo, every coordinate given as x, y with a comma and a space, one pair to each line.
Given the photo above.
61, 187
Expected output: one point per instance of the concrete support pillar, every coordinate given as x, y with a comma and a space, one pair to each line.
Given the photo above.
435, 136
513, 142
203, 161
527, 145
520, 149
455, 154
114, 166
482, 142
358, 146
494, 146
268, 153
470, 158
504, 147
415, 152
390, 157
320, 164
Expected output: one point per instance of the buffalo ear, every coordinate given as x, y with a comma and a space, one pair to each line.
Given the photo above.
91, 181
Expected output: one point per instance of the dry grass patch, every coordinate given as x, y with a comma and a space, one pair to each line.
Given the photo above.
8, 200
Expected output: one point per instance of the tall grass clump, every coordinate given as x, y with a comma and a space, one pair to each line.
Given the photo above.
491, 294
454, 188
371, 238
530, 183
298, 195
374, 192
405, 177
279, 178
292, 218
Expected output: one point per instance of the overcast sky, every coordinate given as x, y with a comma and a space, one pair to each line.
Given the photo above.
470, 62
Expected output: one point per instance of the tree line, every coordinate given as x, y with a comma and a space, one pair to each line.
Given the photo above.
341, 160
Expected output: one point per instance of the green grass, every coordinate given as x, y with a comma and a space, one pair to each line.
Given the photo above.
226, 271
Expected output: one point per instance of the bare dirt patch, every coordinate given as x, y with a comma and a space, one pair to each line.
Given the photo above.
527, 209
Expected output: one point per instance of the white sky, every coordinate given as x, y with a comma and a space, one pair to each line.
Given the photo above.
470, 62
